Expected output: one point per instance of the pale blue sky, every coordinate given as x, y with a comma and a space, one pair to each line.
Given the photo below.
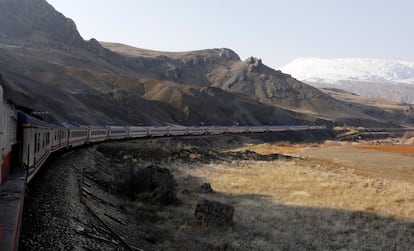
276, 31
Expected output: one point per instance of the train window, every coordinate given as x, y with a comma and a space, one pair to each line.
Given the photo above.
38, 142
28, 154
118, 131
77, 134
96, 133
35, 141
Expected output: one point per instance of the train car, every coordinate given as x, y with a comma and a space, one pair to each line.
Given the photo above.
254, 129
59, 137
157, 131
177, 131
279, 128
8, 127
317, 127
238, 129
197, 130
35, 142
77, 135
98, 134
214, 130
117, 132
137, 132
299, 127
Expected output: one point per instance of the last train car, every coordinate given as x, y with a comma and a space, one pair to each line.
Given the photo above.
36, 142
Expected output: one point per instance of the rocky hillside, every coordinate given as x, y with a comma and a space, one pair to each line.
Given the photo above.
47, 66
37, 21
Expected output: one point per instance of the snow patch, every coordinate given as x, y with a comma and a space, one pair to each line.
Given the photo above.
351, 69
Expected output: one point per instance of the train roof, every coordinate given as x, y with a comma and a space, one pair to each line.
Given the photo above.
97, 127
70, 125
27, 120
116, 127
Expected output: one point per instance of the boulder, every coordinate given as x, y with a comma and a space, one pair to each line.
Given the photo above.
205, 188
213, 213
151, 184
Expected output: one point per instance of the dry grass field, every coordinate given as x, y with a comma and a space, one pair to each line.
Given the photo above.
327, 198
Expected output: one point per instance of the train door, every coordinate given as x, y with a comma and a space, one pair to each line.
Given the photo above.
23, 145
36, 148
2, 135
16, 147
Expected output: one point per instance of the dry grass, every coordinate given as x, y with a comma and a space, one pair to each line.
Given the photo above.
304, 204
315, 185
139, 52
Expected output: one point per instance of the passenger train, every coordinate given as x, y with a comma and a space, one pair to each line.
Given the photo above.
27, 141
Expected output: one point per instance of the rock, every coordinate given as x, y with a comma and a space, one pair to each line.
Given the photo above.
205, 188
213, 213
150, 184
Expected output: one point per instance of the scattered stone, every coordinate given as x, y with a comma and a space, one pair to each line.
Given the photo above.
205, 188
213, 213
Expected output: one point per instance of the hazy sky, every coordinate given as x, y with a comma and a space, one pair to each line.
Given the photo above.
276, 31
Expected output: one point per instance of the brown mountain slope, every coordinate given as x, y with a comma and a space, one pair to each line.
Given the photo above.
251, 78
131, 51
81, 87
387, 109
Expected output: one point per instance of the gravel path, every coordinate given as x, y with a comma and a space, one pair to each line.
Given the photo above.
46, 224
55, 216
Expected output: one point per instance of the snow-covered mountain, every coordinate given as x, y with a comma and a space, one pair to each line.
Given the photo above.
376, 78
334, 71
